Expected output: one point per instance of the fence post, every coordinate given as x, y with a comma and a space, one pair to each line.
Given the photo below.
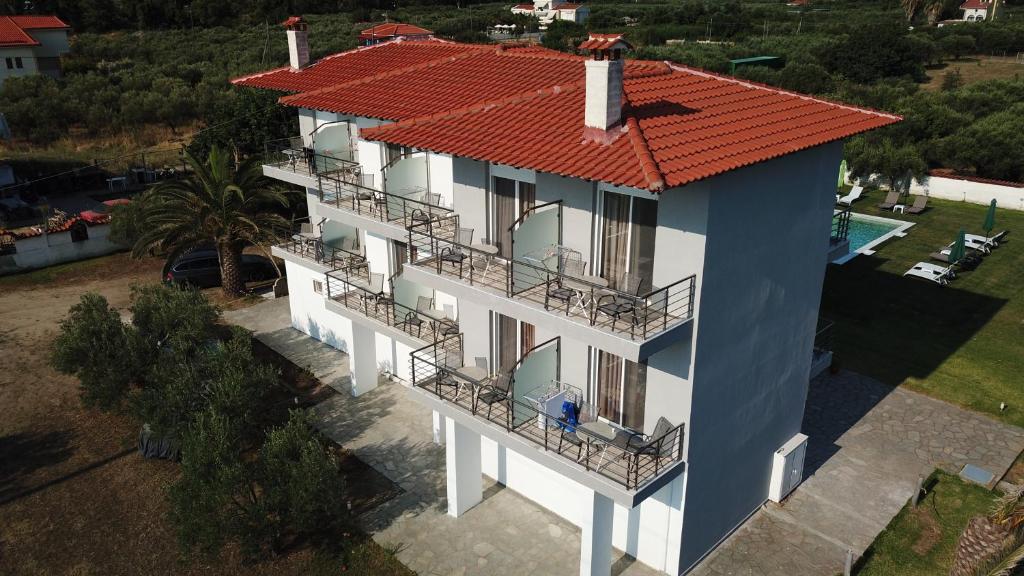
848, 568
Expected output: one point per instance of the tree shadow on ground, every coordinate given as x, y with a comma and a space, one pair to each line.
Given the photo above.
23, 453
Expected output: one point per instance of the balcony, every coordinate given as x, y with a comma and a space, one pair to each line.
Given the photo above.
385, 213
529, 417
290, 161
535, 287
314, 253
400, 310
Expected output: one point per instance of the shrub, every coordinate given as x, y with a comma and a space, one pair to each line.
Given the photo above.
99, 349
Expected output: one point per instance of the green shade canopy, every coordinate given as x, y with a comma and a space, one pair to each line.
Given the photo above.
990, 218
842, 173
956, 253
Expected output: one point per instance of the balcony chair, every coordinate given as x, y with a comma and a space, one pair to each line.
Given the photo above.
854, 195
409, 321
497, 390
567, 424
624, 302
386, 299
562, 288
457, 253
656, 446
425, 309
374, 290
445, 377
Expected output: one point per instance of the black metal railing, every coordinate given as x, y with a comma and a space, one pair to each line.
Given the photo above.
292, 155
351, 287
641, 315
631, 461
840, 225
317, 250
354, 196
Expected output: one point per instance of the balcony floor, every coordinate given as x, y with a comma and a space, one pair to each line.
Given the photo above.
494, 280
426, 332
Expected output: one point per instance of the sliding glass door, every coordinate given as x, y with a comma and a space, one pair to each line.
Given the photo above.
512, 199
511, 340
627, 238
621, 390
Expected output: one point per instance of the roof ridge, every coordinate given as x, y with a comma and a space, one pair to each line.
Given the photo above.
383, 75
358, 49
652, 173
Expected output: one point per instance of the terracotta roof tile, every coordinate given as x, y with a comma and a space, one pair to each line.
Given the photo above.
393, 29
523, 106
354, 64
11, 34
39, 22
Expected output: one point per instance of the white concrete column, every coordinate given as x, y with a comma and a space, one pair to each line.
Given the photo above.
465, 480
362, 359
596, 535
439, 427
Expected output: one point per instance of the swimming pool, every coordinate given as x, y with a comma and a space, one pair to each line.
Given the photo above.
867, 232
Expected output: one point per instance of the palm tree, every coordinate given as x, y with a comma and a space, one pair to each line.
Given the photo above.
992, 545
216, 204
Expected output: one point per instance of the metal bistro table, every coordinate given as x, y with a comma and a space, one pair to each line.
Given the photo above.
471, 375
489, 251
598, 433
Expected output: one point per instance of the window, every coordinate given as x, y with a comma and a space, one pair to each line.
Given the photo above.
10, 63
512, 199
399, 255
621, 390
393, 152
627, 238
17, 62
318, 287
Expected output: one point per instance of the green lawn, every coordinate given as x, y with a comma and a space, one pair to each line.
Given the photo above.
921, 541
963, 343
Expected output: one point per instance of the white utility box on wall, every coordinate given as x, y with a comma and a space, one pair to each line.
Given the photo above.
787, 468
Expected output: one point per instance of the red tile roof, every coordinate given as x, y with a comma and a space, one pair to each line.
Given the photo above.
393, 29
976, 4
355, 64
482, 74
604, 42
13, 35
13, 29
39, 22
524, 6
523, 106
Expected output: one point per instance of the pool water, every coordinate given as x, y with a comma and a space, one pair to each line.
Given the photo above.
862, 231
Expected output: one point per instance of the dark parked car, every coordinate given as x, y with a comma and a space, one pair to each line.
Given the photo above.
202, 269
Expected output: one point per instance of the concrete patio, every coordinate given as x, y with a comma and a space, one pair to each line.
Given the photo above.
505, 534
869, 444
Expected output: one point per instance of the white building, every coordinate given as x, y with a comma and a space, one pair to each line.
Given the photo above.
977, 10
547, 11
507, 230
32, 45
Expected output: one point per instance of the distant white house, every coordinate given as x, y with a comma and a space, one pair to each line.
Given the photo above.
978, 10
32, 45
547, 11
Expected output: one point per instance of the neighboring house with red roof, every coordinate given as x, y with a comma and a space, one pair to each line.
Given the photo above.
602, 276
978, 10
547, 11
391, 30
32, 45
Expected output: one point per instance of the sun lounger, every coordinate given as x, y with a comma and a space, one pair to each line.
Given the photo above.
938, 274
891, 199
854, 194
920, 204
969, 262
992, 242
972, 242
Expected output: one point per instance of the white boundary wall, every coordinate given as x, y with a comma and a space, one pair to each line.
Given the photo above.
971, 191
57, 248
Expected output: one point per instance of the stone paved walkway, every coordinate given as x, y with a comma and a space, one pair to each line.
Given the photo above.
505, 534
868, 445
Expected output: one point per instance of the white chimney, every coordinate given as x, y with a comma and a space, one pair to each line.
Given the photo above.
604, 80
298, 42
